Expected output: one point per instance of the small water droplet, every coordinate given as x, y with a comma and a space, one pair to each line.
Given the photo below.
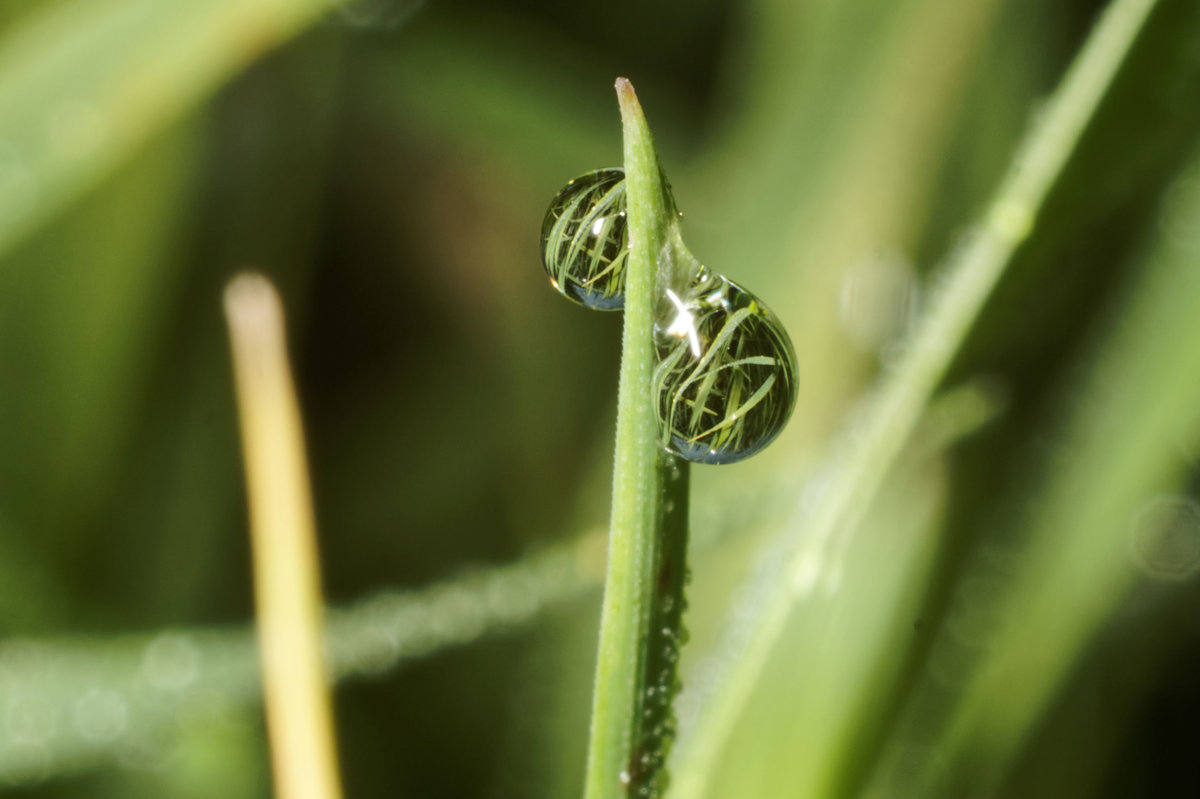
170, 662
1165, 539
623, 777
584, 243
1013, 220
101, 715
29, 719
377, 14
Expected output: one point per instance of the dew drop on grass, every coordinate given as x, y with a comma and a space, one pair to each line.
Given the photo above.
376, 14
584, 244
170, 662
101, 715
726, 378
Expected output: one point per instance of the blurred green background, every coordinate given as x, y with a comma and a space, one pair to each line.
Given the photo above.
387, 164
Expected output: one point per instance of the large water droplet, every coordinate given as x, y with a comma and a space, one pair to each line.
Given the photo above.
726, 380
584, 244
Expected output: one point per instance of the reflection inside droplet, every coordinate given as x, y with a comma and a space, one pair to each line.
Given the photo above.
584, 242
726, 379
725, 383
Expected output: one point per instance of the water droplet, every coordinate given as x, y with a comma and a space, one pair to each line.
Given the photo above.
1013, 220
101, 715
1165, 540
584, 238
623, 777
170, 662
377, 14
726, 379
30, 719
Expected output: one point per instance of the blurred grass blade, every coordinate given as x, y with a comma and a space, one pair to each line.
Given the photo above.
1071, 561
860, 605
287, 588
864, 462
83, 83
157, 682
822, 697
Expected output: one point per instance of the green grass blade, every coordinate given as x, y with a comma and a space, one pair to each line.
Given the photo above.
1073, 558
648, 536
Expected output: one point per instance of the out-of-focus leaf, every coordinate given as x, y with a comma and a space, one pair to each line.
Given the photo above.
843, 648
85, 82
1107, 511
82, 315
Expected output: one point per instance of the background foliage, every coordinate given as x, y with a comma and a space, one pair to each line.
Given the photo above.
388, 164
